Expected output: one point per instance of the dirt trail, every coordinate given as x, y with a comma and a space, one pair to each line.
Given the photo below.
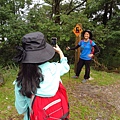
106, 97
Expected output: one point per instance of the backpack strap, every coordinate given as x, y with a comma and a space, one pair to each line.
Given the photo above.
92, 48
32, 99
28, 113
91, 42
28, 109
64, 117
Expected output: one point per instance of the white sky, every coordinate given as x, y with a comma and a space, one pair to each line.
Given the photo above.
38, 1
42, 1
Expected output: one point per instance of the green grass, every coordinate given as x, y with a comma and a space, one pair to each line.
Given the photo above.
100, 77
104, 78
7, 108
78, 111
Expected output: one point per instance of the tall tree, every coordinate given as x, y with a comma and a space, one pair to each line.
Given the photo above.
102, 11
12, 26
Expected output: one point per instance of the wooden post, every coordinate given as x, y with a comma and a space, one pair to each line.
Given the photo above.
77, 51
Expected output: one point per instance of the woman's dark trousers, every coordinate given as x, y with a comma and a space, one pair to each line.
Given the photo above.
80, 65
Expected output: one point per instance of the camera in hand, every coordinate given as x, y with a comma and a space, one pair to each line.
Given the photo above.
54, 41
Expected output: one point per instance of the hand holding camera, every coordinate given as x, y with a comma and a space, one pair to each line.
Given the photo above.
54, 41
59, 51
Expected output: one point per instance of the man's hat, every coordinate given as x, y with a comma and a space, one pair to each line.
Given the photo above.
34, 49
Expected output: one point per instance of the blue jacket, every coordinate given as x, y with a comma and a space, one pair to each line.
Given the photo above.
85, 49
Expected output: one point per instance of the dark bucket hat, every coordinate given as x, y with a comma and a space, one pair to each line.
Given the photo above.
34, 49
90, 33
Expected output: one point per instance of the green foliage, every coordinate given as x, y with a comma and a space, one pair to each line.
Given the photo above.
17, 18
13, 33
111, 52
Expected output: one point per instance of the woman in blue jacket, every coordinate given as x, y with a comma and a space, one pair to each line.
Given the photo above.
37, 75
86, 54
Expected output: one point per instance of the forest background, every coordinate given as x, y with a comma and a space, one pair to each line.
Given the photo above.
58, 18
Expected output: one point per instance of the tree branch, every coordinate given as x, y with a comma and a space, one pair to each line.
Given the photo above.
76, 7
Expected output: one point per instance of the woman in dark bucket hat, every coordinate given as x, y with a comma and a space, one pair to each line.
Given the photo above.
88, 50
34, 49
37, 75
90, 33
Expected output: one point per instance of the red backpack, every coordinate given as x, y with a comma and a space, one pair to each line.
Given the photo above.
51, 108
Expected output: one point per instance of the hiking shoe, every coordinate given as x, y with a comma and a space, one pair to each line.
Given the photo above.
75, 77
85, 80
90, 78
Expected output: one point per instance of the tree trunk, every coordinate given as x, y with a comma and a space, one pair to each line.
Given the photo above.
57, 11
111, 6
105, 14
